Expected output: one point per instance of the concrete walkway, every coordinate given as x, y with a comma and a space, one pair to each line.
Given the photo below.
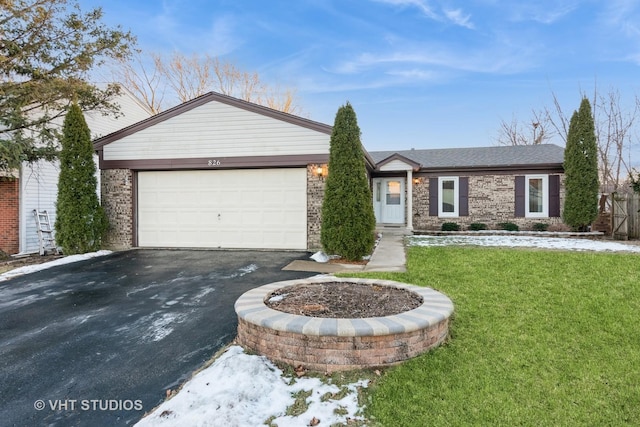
389, 255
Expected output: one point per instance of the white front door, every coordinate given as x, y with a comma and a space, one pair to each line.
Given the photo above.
388, 200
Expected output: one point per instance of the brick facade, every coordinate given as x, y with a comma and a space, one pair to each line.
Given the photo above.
117, 200
9, 215
315, 197
491, 201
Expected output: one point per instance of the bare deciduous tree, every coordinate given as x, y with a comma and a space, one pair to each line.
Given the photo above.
180, 78
144, 82
537, 131
615, 133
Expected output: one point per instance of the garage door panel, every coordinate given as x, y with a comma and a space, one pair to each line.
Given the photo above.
263, 208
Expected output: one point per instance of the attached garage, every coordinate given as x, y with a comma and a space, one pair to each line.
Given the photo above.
215, 172
255, 208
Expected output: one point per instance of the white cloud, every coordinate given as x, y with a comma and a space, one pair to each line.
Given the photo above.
494, 60
455, 16
544, 12
421, 5
413, 74
623, 15
459, 18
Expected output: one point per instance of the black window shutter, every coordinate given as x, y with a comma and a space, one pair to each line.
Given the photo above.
433, 197
463, 193
520, 196
554, 196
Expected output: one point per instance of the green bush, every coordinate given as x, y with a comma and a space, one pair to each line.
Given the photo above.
581, 170
508, 226
80, 221
450, 226
477, 226
348, 221
540, 226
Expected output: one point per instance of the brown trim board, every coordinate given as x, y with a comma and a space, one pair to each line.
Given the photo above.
213, 163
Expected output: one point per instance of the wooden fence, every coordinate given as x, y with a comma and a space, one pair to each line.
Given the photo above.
625, 215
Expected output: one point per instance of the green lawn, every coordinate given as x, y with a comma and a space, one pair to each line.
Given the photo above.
538, 338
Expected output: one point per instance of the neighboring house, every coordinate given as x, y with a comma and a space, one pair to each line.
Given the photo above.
221, 172
36, 186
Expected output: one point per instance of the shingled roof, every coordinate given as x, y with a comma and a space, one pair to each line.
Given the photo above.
480, 157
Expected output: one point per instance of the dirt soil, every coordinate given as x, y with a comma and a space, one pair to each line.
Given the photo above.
11, 263
342, 300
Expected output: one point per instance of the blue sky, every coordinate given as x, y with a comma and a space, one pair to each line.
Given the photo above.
419, 73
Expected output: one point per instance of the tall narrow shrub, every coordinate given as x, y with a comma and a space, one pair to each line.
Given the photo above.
348, 221
80, 220
581, 170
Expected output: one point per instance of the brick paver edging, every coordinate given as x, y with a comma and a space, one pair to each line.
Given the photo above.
327, 345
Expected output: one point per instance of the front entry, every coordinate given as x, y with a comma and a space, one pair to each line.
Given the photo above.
388, 200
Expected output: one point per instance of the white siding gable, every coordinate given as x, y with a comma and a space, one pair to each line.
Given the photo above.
220, 130
396, 165
131, 111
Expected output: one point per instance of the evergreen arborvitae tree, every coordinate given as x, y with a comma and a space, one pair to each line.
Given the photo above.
80, 220
348, 221
581, 170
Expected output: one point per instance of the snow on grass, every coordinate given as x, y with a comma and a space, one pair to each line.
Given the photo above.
524, 241
246, 390
60, 261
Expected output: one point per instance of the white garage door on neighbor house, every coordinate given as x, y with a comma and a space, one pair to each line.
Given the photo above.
249, 208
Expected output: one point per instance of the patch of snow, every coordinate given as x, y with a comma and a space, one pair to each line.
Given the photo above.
245, 390
320, 257
277, 298
248, 269
242, 271
162, 326
60, 261
524, 241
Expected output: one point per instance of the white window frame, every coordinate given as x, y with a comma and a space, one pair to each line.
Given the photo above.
456, 197
545, 197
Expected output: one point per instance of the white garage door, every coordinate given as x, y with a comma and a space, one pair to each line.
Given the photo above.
253, 208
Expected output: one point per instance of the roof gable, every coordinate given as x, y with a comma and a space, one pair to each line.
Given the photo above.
397, 162
202, 100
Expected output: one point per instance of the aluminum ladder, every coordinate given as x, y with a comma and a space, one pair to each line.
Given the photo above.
45, 232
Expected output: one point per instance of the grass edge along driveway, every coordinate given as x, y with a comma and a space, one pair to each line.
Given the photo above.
539, 338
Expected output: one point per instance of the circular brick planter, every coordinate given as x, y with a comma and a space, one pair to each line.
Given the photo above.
329, 345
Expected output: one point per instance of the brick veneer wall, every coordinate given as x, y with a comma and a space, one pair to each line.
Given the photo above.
116, 189
9, 215
315, 197
491, 201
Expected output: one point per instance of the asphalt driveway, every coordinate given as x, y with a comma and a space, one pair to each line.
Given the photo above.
99, 342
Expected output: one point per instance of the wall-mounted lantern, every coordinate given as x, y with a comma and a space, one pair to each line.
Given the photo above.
321, 171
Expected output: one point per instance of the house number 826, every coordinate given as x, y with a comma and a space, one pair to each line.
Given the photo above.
213, 163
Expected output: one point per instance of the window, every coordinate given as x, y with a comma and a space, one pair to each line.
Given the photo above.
536, 196
393, 192
448, 196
